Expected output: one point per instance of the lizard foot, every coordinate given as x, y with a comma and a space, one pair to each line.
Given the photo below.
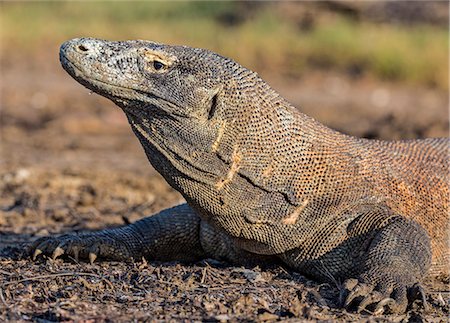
384, 296
397, 258
85, 246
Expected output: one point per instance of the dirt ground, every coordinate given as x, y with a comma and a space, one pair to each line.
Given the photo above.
69, 162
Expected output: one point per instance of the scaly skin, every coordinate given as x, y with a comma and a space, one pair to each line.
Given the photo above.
264, 182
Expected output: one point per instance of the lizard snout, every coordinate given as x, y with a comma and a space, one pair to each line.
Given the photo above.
79, 46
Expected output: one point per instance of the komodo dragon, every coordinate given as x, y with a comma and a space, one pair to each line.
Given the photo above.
262, 181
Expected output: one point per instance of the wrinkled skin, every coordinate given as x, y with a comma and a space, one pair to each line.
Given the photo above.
264, 182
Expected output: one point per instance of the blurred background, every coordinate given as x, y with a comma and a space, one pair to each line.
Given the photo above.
69, 160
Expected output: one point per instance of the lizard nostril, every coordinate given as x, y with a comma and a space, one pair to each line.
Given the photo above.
82, 48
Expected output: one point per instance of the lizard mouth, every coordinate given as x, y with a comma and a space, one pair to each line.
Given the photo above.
109, 90
94, 76
121, 95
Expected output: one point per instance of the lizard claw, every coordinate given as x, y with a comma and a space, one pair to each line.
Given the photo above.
76, 252
385, 296
372, 298
358, 290
36, 253
92, 257
88, 246
387, 302
418, 292
57, 252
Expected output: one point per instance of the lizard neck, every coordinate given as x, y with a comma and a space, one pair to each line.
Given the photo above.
250, 131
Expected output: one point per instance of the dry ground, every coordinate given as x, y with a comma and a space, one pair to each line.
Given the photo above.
69, 162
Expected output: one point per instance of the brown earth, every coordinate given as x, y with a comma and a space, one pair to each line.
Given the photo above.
69, 162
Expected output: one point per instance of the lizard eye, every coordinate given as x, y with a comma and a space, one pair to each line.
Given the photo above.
157, 65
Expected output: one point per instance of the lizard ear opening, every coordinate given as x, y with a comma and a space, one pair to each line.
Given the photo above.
214, 104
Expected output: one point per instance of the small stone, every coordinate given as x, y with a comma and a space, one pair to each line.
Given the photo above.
22, 174
222, 317
251, 275
267, 317
440, 300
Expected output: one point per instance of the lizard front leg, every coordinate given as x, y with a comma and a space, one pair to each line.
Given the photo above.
397, 259
172, 234
379, 256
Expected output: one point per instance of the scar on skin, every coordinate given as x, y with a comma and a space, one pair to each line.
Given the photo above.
220, 133
190, 78
268, 171
293, 217
236, 159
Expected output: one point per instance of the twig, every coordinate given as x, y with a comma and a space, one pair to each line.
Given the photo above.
6, 273
108, 282
3, 299
203, 276
165, 282
52, 276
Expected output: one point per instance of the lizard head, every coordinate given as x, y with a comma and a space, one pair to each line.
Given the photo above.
180, 80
